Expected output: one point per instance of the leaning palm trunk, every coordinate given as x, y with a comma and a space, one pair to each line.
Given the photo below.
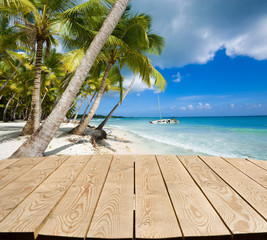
80, 129
43, 98
12, 75
38, 142
85, 96
101, 125
88, 105
7, 105
33, 122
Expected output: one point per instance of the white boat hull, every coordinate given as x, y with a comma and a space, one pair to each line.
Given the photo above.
165, 121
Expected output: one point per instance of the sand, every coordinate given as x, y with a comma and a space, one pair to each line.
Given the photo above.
118, 142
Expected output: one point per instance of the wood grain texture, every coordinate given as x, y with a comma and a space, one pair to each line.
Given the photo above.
250, 190
16, 191
196, 216
7, 162
256, 173
237, 214
155, 217
29, 216
72, 216
12, 172
113, 218
260, 163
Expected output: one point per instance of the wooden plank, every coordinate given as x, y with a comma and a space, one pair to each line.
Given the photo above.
12, 172
196, 216
155, 217
251, 191
19, 189
28, 217
236, 213
72, 216
113, 218
7, 162
256, 173
260, 163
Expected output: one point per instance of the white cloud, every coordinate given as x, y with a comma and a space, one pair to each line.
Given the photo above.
138, 86
138, 94
199, 106
207, 106
232, 105
190, 106
178, 78
196, 29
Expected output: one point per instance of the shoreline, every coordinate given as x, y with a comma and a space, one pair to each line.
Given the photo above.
118, 142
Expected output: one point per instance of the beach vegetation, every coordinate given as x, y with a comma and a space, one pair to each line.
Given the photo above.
50, 85
40, 139
128, 47
36, 24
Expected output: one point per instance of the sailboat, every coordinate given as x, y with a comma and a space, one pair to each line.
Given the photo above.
164, 121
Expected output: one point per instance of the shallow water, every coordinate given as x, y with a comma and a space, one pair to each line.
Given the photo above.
244, 137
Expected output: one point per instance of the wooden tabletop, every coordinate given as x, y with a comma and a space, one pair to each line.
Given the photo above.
133, 197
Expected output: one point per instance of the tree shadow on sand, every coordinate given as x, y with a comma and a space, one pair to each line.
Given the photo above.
9, 136
57, 150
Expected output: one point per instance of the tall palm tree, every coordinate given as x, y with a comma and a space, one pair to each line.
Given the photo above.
129, 43
103, 123
37, 23
38, 142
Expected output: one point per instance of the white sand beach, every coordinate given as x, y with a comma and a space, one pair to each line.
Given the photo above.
117, 141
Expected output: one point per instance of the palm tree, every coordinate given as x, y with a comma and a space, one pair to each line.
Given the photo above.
154, 74
127, 46
37, 23
85, 94
103, 123
38, 142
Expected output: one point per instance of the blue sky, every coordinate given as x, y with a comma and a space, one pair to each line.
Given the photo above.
215, 61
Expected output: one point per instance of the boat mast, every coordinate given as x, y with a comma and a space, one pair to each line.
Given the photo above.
159, 108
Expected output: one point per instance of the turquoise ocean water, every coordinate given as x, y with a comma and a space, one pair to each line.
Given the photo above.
244, 137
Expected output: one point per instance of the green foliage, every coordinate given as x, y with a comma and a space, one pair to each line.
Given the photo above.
23, 22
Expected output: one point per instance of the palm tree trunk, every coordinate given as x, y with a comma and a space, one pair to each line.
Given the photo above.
6, 107
43, 98
12, 75
80, 129
85, 96
38, 142
33, 122
101, 125
13, 117
88, 106
25, 114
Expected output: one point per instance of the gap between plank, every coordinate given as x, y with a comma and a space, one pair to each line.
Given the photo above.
34, 188
256, 164
10, 163
23, 172
232, 235
36, 232
232, 188
98, 198
243, 172
170, 197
